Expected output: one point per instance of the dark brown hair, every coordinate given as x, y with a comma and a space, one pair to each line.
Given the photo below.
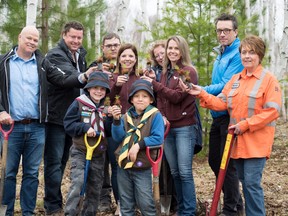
227, 17
110, 36
73, 24
121, 50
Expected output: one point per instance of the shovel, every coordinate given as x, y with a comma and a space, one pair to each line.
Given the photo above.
165, 199
230, 140
155, 172
89, 154
156, 166
3, 208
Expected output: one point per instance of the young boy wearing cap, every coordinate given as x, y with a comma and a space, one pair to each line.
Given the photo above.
85, 116
142, 125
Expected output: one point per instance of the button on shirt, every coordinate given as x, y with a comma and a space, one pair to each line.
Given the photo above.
24, 88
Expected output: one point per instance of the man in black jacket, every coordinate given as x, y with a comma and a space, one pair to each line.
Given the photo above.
69, 56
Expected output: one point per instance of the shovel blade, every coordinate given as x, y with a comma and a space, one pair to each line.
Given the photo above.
3, 209
165, 204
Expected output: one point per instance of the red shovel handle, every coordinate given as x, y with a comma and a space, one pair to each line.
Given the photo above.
154, 164
6, 133
222, 171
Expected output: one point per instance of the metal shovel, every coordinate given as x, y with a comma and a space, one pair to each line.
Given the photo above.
3, 208
165, 199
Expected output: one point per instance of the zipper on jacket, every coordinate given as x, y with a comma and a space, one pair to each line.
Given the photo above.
7, 81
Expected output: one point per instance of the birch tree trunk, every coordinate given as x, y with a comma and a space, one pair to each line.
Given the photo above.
31, 12
97, 34
44, 20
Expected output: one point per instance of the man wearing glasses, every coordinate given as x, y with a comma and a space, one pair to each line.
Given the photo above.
227, 63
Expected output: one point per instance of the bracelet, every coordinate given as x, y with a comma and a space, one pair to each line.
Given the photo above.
85, 76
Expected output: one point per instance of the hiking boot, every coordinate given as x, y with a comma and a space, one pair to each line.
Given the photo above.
104, 207
241, 212
57, 213
117, 212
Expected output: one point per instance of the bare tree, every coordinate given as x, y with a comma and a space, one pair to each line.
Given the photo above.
31, 12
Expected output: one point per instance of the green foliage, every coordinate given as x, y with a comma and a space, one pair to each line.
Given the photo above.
16, 20
56, 17
84, 14
194, 20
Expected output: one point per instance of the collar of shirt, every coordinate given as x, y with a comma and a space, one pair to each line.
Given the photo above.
16, 56
256, 73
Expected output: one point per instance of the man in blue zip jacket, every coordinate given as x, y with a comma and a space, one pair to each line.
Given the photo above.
227, 63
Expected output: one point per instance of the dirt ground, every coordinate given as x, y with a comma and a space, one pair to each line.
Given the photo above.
275, 180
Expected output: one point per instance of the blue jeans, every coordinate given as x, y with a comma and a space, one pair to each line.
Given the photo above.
135, 188
26, 140
111, 148
56, 155
250, 174
179, 151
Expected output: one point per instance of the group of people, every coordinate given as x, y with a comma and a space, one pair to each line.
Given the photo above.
57, 102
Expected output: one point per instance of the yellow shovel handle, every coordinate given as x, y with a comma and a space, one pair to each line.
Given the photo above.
89, 148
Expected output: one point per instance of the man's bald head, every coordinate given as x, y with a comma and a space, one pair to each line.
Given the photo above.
28, 41
29, 30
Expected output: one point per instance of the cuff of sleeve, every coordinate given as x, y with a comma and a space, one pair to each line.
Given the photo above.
243, 126
109, 118
142, 144
80, 79
116, 122
201, 94
86, 128
155, 85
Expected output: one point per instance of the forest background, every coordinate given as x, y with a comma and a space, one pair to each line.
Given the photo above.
143, 21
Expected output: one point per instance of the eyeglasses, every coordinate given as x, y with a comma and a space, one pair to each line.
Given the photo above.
109, 46
225, 31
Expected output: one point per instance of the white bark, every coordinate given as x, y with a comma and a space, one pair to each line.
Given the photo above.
64, 5
31, 12
97, 35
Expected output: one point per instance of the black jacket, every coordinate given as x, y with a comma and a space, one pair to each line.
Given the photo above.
60, 97
5, 76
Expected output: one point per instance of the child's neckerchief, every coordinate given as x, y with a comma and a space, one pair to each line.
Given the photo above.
87, 102
134, 132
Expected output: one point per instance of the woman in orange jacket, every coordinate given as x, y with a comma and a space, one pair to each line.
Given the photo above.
253, 100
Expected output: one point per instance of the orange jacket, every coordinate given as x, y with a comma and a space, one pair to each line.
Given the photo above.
253, 102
